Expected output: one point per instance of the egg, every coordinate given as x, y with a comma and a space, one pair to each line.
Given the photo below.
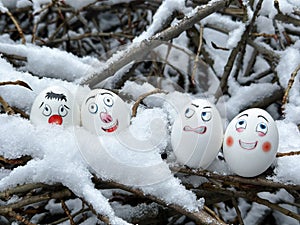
197, 133
55, 105
103, 112
250, 142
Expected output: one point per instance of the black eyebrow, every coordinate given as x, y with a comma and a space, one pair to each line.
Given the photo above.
207, 107
263, 117
243, 115
106, 93
66, 107
41, 104
90, 98
197, 106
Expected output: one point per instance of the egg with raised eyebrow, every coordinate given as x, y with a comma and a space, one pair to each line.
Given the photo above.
197, 134
55, 105
103, 112
251, 142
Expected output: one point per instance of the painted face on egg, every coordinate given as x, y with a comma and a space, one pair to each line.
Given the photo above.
197, 134
55, 105
103, 112
251, 142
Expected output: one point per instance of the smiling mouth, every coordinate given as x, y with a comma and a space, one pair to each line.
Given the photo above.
111, 128
248, 145
198, 130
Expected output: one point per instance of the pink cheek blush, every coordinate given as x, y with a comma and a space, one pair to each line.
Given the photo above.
239, 130
229, 141
261, 134
266, 147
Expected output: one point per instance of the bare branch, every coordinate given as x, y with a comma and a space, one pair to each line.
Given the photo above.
140, 50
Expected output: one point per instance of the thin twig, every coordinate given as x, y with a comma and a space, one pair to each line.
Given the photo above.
279, 154
238, 211
20, 189
17, 82
102, 218
197, 55
19, 218
287, 91
6, 107
142, 97
5, 209
17, 26
67, 211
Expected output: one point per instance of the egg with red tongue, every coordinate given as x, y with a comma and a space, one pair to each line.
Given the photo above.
55, 105
251, 142
103, 112
197, 134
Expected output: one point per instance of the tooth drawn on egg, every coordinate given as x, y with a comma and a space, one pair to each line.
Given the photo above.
197, 134
251, 142
55, 105
103, 112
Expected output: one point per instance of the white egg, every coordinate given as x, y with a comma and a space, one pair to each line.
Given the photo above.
55, 105
197, 134
103, 112
251, 142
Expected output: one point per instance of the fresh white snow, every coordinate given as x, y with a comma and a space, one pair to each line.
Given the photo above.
57, 152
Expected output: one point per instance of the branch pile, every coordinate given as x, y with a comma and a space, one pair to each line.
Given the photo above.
253, 57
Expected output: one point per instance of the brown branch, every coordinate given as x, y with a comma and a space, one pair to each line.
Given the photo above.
67, 211
5, 209
20, 189
102, 218
238, 212
17, 82
6, 107
19, 218
142, 97
215, 46
17, 26
279, 154
19, 161
287, 91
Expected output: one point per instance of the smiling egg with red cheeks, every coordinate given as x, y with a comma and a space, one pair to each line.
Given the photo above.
103, 112
55, 105
250, 142
197, 134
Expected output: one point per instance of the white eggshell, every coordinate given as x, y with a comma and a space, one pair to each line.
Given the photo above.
197, 134
103, 112
250, 142
55, 105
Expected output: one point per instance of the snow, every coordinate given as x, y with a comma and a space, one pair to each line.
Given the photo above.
58, 64
68, 155
165, 10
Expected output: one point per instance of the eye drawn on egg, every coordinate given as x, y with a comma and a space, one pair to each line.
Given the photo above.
103, 112
250, 142
55, 105
197, 134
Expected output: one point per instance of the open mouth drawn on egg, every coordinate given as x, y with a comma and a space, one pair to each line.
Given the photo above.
111, 128
198, 130
248, 145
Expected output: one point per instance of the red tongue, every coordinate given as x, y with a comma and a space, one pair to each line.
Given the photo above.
56, 119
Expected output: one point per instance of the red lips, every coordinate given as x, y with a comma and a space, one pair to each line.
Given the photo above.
55, 119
